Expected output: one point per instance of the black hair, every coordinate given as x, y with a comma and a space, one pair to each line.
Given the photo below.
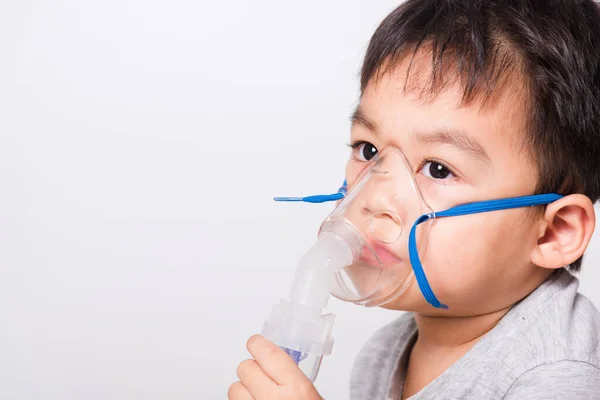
554, 45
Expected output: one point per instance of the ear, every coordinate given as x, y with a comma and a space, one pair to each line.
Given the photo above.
565, 232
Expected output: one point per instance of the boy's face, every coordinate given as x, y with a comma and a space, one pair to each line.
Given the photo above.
459, 154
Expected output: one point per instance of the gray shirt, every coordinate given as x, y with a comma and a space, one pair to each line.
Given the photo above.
546, 347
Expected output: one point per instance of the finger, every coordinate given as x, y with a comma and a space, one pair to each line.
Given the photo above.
238, 391
255, 380
274, 361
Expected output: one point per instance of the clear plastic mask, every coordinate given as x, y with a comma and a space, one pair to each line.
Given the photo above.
382, 205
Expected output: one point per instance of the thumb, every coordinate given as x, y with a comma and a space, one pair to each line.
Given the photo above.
275, 362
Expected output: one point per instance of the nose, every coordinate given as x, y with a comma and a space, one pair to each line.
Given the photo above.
387, 195
386, 227
379, 208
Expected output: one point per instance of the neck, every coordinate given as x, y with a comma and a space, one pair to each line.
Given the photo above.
452, 333
441, 341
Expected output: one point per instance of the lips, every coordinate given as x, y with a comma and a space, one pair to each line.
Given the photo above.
376, 255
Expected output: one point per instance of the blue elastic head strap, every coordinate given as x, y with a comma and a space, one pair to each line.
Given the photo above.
318, 198
464, 209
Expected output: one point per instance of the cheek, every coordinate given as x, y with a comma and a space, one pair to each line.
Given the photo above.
471, 257
354, 171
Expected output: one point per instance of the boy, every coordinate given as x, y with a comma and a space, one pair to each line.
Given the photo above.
488, 100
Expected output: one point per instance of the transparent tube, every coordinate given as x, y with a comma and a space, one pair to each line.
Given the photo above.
298, 325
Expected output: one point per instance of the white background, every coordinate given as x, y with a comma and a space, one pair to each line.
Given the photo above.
141, 143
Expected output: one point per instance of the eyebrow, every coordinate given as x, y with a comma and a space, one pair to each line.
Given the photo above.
458, 139
359, 118
452, 137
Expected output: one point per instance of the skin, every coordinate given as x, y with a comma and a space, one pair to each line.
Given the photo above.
480, 265
270, 374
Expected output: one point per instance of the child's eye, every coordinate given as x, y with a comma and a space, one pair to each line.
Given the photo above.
435, 170
364, 150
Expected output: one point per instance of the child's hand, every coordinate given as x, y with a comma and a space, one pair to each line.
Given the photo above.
271, 375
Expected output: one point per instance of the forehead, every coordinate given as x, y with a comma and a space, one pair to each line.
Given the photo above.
402, 105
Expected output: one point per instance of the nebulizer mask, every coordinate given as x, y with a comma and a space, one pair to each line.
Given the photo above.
369, 250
